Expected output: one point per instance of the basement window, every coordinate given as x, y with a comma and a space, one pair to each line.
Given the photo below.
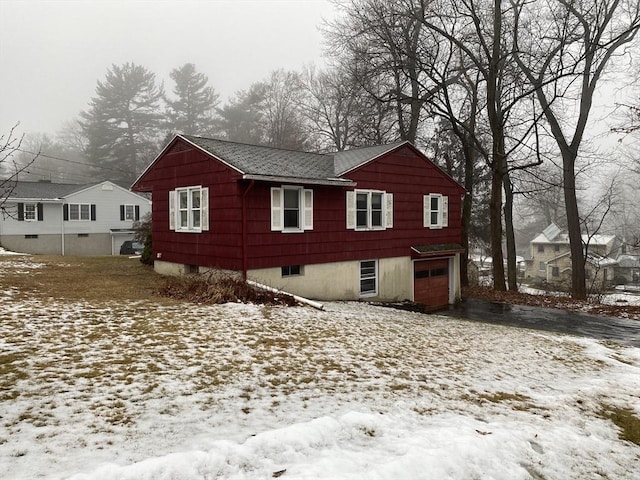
368, 278
31, 236
291, 271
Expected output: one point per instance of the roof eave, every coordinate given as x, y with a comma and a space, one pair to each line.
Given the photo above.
34, 199
334, 182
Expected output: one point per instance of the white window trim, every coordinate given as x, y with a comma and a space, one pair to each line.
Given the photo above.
174, 210
35, 212
352, 211
79, 219
133, 212
375, 277
305, 209
443, 211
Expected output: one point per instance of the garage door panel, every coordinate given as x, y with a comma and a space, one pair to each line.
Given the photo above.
431, 282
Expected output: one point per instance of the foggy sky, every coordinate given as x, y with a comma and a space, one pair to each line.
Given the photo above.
52, 52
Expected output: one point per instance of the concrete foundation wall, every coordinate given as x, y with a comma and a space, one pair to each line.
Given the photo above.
51, 244
341, 280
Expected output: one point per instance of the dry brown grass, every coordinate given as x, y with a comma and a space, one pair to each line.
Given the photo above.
112, 278
91, 279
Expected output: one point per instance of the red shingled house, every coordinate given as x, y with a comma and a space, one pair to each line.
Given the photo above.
381, 223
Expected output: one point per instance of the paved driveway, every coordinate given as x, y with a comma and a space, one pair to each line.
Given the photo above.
549, 319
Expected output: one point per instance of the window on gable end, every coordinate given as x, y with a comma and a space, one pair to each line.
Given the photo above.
435, 211
369, 210
129, 212
189, 209
79, 212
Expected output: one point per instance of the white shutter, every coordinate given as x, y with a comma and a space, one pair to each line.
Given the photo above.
444, 210
388, 210
308, 209
351, 210
426, 211
204, 208
172, 210
276, 209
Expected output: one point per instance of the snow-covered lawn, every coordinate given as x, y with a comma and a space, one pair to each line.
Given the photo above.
163, 390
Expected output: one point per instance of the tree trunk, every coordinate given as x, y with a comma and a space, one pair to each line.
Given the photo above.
467, 203
578, 283
495, 220
512, 265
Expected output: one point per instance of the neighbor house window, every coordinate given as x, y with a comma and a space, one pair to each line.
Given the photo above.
556, 248
189, 209
291, 209
368, 278
555, 271
369, 210
79, 212
129, 213
291, 270
435, 211
542, 266
540, 248
30, 212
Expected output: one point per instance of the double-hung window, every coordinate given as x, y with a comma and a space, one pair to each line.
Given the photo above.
189, 209
30, 212
368, 278
291, 209
369, 210
435, 211
79, 212
129, 212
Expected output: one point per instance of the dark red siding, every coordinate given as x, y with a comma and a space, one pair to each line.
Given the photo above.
405, 173
183, 167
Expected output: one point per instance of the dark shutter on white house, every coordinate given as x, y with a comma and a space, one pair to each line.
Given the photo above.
93, 212
21, 212
40, 212
122, 213
137, 213
65, 212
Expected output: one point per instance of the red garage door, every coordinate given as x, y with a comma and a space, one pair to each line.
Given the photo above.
431, 282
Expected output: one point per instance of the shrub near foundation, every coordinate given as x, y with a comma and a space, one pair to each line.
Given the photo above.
216, 287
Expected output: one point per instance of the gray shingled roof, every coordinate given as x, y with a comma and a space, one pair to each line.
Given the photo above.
268, 161
44, 190
349, 159
259, 160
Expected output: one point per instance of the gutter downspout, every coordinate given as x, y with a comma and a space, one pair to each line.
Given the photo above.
62, 228
244, 230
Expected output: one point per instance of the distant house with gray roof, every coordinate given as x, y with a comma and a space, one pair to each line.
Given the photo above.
551, 257
381, 222
68, 219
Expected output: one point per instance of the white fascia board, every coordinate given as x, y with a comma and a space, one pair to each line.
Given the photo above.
35, 199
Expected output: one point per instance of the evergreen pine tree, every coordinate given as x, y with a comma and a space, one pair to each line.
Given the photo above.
123, 122
192, 112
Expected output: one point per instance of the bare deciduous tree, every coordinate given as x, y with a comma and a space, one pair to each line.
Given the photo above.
563, 48
10, 169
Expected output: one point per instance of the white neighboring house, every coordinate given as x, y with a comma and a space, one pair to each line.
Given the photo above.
551, 257
64, 219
